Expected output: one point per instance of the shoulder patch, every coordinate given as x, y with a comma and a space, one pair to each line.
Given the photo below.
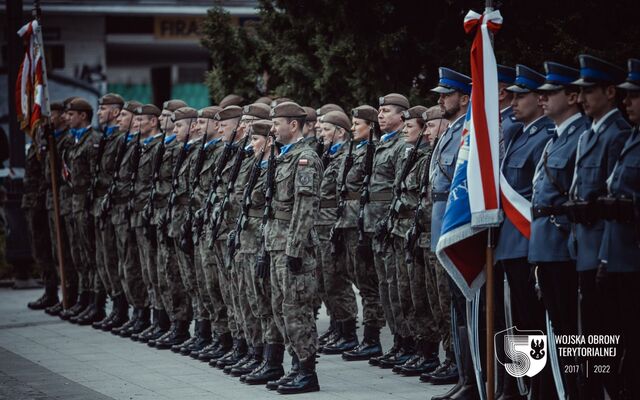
303, 162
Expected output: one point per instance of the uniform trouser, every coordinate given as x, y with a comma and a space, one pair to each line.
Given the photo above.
129, 267
366, 280
336, 280
76, 255
224, 268
385, 263
558, 283
38, 225
109, 243
172, 292
292, 302
147, 250
528, 313
188, 275
439, 293
599, 315
244, 267
84, 245
404, 311
627, 285
71, 277
209, 286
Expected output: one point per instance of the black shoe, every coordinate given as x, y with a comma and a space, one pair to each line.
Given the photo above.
305, 381
466, 388
241, 362
348, 340
405, 352
48, 299
55, 309
254, 362
412, 360
225, 343
121, 316
446, 374
152, 341
295, 368
89, 310
77, 308
204, 339
271, 367
187, 343
180, 335
96, 312
142, 323
127, 325
163, 326
390, 353
324, 337
368, 348
238, 351
426, 360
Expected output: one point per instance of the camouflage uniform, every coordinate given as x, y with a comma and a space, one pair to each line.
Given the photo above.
336, 278
206, 261
127, 244
147, 245
175, 299
106, 249
366, 281
290, 233
81, 158
386, 163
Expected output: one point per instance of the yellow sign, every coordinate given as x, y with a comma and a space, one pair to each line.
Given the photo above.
171, 28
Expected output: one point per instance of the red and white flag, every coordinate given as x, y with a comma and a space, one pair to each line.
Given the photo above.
32, 102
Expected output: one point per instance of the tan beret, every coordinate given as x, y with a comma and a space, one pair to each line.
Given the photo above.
312, 116
264, 100
68, 100
111, 98
337, 118
185, 113
148, 109
365, 112
288, 109
434, 112
328, 107
280, 100
231, 100
258, 110
413, 112
394, 99
262, 128
131, 106
229, 113
56, 106
79, 104
173, 105
209, 112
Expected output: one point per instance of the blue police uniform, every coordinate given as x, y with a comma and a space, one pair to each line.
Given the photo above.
507, 119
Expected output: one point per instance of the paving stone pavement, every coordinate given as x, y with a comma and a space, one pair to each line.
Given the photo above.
43, 357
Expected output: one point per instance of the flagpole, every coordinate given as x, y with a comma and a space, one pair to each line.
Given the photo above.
489, 287
46, 114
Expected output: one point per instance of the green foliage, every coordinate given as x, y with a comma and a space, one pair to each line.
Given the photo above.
352, 52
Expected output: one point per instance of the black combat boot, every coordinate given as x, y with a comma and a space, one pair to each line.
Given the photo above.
370, 346
151, 328
78, 307
108, 318
171, 331
390, 353
204, 339
164, 325
324, 337
305, 381
333, 338
180, 335
271, 368
247, 357
295, 368
447, 372
48, 299
127, 325
96, 312
196, 334
121, 315
217, 349
256, 360
142, 323
55, 309
466, 388
238, 351
406, 351
427, 360
348, 340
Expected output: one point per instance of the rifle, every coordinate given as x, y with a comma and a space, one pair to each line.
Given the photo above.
335, 237
91, 193
149, 209
212, 195
382, 228
364, 196
234, 237
163, 223
217, 221
186, 234
135, 162
326, 156
263, 260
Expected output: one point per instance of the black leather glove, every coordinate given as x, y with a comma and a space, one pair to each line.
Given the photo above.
601, 276
263, 262
381, 230
231, 240
294, 265
337, 241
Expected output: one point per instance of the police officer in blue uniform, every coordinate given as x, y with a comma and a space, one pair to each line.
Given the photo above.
620, 250
506, 78
598, 150
454, 89
550, 227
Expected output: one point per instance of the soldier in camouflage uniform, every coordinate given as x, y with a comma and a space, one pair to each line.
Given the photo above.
290, 239
80, 160
364, 121
336, 279
34, 206
386, 165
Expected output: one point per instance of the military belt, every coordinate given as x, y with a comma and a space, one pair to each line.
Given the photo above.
328, 204
118, 201
282, 215
100, 192
547, 211
622, 210
352, 196
439, 196
581, 212
386, 195
256, 212
406, 214
182, 200
80, 190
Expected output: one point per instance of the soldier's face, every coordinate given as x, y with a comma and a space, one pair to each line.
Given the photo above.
411, 131
226, 128
434, 129
75, 119
147, 124
165, 120
107, 113
450, 104
57, 119
308, 129
526, 106
124, 121
389, 118
258, 143
328, 133
597, 100
284, 130
360, 129
632, 105
181, 129
557, 103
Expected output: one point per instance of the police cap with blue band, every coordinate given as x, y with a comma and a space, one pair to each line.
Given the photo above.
595, 71
451, 81
506, 74
633, 78
527, 80
558, 76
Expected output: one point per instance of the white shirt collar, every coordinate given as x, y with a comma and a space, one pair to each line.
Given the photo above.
505, 109
563, 126
456, 120
595, 125
533, 122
